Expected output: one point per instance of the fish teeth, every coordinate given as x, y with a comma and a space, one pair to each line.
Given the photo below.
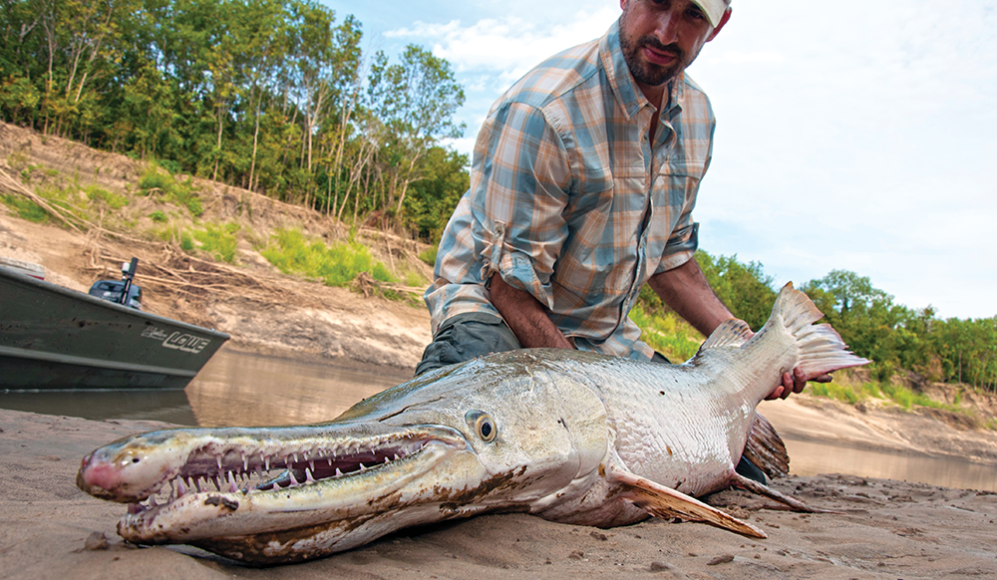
338, 473
308, 476
181, 488
293, 481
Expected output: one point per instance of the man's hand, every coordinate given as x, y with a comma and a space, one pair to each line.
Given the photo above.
794, 383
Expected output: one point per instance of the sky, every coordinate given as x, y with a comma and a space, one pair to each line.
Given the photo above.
851, 135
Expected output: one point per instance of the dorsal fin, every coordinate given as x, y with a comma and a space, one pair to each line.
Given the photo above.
732, 333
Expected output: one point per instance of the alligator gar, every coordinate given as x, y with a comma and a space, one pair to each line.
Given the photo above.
570, 436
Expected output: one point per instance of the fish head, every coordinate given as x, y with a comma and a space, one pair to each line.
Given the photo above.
454, 443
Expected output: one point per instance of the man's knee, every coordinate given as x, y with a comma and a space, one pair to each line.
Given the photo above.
464, 337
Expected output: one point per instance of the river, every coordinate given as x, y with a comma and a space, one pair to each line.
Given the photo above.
249, 390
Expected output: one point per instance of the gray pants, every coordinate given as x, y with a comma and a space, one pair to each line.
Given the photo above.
470, 335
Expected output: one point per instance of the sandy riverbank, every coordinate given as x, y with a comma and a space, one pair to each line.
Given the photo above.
884, 529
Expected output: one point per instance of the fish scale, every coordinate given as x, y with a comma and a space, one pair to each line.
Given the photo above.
570, 436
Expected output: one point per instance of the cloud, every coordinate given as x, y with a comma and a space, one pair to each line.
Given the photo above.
510, 45
856, 137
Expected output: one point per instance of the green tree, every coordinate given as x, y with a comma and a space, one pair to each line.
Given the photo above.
415, 100
433, 198
744, 288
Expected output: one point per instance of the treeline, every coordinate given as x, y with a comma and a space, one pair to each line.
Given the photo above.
892, 335
276, 96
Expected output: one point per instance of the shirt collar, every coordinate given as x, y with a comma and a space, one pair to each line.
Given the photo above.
624, 87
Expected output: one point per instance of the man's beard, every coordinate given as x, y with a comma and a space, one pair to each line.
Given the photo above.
648, 73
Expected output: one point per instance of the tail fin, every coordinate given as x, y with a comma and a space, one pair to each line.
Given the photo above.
821, 348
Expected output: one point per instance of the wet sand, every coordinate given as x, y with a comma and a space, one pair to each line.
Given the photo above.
883, 529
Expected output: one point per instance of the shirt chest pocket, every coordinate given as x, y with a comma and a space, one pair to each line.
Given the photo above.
601, 249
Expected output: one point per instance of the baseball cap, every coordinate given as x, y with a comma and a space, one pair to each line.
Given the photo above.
714, 9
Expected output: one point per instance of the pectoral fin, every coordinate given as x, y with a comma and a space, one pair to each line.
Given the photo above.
666, 502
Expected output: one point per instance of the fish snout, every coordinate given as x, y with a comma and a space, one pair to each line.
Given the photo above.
98, 478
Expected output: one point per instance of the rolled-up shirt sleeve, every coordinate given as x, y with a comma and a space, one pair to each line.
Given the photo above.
519, 199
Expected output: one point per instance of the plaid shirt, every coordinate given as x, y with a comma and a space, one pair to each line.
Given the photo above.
570, 202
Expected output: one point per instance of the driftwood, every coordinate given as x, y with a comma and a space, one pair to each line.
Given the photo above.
9, 184
167, 267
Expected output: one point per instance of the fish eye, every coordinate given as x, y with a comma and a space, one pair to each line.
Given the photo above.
483, 425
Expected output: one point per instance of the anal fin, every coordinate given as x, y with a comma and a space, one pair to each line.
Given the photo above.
666, 502
765, 448
793, 503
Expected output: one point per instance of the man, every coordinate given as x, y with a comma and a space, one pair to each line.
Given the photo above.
584, 178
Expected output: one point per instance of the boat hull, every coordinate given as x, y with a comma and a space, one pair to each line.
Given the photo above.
54, 338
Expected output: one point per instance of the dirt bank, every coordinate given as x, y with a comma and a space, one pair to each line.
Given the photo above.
264, 310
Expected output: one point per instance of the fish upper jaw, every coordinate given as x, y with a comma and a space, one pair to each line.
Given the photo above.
136, 468
326, 461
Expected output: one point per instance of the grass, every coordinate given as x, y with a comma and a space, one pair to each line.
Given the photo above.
337, 265
25, 208
429, 255
414, 279
667, 334
845, 393
113, 200
183, 193
219, 241
897, 394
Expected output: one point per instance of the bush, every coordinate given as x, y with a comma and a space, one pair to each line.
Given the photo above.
114, 200
25, 208
154, 181
219, 241
429, 256
667, 334
833, 390
337, 265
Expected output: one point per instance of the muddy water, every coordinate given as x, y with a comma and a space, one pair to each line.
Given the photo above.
810, 458
246, 390
240, 389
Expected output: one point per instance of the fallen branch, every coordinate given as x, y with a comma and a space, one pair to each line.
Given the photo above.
10, 184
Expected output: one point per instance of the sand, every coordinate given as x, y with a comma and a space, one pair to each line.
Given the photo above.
883, 529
